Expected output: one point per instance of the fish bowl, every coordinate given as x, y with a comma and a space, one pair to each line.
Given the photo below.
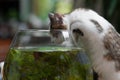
45, 55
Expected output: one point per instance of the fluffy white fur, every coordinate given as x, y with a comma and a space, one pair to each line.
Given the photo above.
92, 40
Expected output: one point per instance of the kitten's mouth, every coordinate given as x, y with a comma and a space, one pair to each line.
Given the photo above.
56, 21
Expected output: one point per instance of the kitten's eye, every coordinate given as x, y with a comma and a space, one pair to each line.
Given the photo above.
78, 31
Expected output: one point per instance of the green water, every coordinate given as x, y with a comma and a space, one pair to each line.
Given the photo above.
45, 63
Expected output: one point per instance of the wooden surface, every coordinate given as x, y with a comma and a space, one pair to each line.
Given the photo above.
4, 47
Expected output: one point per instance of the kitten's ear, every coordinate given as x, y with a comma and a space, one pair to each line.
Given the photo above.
76, 28
78, 31
51, 16
56, 21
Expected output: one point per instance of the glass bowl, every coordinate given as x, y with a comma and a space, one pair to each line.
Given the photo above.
45, 55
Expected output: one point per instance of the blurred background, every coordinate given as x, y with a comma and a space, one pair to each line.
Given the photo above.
33, 14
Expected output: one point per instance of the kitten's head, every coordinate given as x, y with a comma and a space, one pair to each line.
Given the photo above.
84, 24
